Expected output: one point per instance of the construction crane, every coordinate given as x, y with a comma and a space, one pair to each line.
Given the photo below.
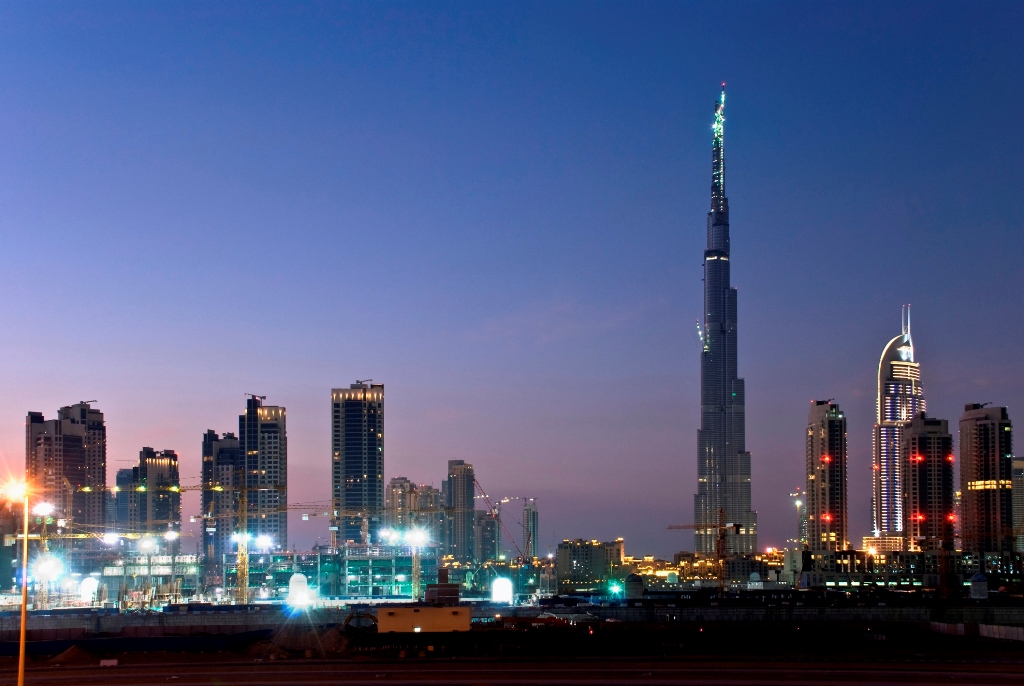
496, 513
722, 529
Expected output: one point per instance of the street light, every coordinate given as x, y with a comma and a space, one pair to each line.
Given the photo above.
19, 491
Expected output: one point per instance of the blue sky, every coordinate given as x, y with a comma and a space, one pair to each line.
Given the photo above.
498, 211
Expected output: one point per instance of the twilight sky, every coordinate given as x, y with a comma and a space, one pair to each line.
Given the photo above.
498, 211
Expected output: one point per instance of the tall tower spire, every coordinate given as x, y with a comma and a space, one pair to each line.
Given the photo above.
719, 203
723, 463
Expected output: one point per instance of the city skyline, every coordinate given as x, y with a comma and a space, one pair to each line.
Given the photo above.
532, 221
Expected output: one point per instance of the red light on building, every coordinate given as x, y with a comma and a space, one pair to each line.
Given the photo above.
949, 458
919, 518
917, 458
951, 517
826, 458
876, 467
826, 517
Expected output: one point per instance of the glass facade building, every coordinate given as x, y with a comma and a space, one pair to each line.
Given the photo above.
357, 462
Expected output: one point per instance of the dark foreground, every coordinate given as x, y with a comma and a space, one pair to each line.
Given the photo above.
497, 673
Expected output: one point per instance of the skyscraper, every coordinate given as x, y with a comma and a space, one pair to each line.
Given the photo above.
122, 489
986, 479
926, 454
223, 470
263, 440
723, 463
899, 399
66, 461
531, 528
826, 477
357, 461
486, 536
459, 523
154, 498
400, 503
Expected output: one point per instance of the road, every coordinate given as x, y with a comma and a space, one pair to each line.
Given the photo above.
503, 673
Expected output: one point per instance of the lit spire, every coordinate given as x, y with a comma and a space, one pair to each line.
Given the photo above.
718, 201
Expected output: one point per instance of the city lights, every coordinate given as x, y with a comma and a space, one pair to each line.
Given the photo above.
43, 509
263, 542
171, 536
110, 539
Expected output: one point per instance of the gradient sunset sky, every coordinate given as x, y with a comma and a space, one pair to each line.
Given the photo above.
498, 211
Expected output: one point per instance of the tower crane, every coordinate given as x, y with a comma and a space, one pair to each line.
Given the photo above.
722, 528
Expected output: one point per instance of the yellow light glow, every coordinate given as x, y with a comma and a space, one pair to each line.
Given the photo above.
16, 490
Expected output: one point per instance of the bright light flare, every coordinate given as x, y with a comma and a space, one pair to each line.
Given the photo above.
417, 537
87, 589
15, 490
47, 568
111, 539
43, 509
263, 541
171, 535
501, 591
147, 544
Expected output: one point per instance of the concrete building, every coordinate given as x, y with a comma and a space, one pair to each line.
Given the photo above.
986, 463
723, 463
531, 528
927, 466
430, 512
486, 536
826, 477
263, 440
223, 470
66, 461
154, 501
459, 519
400, 503
899, 399
357, 462
588, 565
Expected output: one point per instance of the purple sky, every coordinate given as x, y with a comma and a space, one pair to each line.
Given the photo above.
498, 211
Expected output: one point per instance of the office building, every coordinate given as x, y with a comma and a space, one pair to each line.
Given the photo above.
154, 501
263, 440
66, 461
826, 477
459, 519
723, 463
357, 462
927, 466
986, 464
531, 528
899, 399
223, 472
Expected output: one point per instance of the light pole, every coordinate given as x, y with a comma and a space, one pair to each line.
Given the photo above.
19, 491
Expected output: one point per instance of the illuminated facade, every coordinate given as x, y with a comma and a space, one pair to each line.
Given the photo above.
263, 440
927, 464
723, 464
986, 479
357, 462
826, 477
900, 399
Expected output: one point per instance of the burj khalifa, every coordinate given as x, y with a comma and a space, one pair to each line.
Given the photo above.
723, 463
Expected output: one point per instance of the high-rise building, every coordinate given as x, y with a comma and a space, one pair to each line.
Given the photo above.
899, 399
531, 528
486, 536
588, 565
1017, 476
400, 503
826, 477
430, 512
723, 463
154, 498
357, 461
223, 470
459, 523
263, 440
122, 490
926, 454
799, 497
986, 463
66, 461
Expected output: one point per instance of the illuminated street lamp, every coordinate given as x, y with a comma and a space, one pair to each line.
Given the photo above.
19, 491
